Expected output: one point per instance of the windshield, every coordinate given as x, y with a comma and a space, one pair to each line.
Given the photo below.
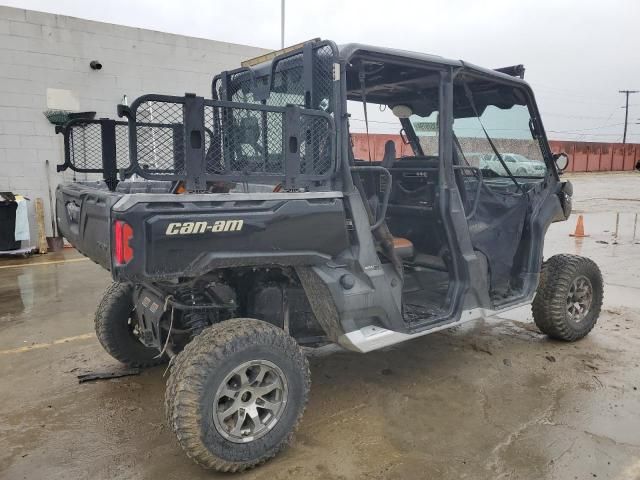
426, 129
509, 130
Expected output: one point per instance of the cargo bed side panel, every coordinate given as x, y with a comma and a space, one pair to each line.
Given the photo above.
189, 238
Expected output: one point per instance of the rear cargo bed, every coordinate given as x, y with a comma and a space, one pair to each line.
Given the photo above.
187, 235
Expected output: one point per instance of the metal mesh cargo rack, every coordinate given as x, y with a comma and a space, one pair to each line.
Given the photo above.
195, 140
272, 123
96, 146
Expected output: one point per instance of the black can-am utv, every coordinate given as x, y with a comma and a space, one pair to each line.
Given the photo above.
241, 229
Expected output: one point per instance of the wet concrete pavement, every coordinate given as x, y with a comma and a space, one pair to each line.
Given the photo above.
492, 399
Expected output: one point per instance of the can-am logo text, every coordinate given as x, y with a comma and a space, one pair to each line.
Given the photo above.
188, 228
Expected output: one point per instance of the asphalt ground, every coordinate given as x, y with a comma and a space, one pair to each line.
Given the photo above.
492, 399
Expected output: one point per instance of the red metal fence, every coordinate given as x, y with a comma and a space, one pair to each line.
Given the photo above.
583, 156
598, 157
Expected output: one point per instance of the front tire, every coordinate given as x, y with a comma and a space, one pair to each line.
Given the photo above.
569, 297
236, 394
115, 325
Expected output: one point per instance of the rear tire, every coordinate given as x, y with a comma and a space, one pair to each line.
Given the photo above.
569, 297
249, 368
115, 324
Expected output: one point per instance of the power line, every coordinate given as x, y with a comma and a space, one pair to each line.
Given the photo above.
582, 135
626, 112
560, 92
587, 129
584, 101
580, 117
595, 134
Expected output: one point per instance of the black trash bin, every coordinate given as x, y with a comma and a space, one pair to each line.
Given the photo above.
8, 223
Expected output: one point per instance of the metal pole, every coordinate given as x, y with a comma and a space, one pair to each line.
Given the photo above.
615, 235
626, 117
626, 111
282, 24
635, 227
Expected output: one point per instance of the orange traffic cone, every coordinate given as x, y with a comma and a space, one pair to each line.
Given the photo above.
579, 233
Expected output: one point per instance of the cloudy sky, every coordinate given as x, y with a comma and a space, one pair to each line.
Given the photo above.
578, 53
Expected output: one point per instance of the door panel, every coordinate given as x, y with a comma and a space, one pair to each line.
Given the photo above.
503, 176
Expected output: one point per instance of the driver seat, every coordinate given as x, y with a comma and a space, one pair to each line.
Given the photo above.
403, 247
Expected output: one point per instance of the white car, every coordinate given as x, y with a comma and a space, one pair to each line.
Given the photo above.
519, 165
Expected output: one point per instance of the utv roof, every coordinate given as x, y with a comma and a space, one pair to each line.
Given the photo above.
350, 50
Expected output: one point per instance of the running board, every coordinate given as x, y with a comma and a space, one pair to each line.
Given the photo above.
369, 338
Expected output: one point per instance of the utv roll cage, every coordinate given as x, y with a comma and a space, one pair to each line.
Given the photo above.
282, 121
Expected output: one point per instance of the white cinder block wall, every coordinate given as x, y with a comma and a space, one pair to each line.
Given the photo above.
40, 51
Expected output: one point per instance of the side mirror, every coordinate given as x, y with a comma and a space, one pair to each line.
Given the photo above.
562, 161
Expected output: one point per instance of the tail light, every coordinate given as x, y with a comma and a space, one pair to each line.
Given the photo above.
123, 233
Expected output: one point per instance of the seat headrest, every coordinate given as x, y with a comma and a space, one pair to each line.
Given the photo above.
249, 131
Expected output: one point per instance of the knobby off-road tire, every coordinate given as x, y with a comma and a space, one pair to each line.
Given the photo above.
115, 328
236, 366
569, 297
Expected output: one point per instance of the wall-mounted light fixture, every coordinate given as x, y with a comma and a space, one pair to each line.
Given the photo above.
95, 65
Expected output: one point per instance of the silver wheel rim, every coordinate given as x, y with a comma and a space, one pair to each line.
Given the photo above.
250, 401
579, 298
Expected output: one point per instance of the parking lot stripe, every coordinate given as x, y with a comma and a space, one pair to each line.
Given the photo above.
53, 262
36, 346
